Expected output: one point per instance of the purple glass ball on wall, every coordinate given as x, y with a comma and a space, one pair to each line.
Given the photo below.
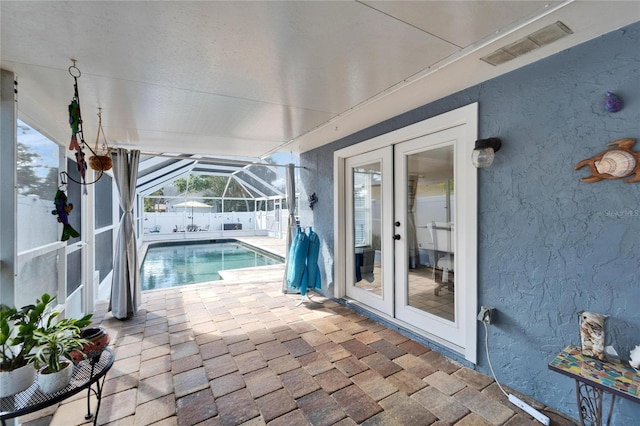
613, 103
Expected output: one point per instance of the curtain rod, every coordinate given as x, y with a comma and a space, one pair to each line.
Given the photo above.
219, 160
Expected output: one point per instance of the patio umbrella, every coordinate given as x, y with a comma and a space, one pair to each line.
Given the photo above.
125, 288
291, 205
193, 204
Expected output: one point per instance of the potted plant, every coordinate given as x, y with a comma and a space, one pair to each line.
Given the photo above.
17, 341
55, 342
97, 339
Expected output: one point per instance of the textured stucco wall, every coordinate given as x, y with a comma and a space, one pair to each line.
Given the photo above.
549, 245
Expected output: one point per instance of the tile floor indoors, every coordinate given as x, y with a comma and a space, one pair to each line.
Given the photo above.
425, 292
240, 352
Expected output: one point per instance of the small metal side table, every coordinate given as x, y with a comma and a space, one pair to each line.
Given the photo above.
593, 379
85, 375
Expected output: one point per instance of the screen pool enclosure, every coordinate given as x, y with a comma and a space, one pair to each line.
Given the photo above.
174, 264
209, 196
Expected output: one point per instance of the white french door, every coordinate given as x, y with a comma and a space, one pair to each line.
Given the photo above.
406, 225
430, 288
369, 257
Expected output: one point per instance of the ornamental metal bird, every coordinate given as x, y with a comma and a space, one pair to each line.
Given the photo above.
74, 121
63, 208
613, 163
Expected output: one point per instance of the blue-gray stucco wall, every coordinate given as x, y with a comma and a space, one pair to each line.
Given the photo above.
549, 245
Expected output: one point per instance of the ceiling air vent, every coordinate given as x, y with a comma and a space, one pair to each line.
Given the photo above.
540, 38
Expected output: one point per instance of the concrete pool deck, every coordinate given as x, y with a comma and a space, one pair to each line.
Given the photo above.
272, 245
269, 273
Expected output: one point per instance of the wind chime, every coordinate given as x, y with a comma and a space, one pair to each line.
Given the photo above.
100, 160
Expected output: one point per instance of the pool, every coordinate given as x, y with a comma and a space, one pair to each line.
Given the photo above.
182, 263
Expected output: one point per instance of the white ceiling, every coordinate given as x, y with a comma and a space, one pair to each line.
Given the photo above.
252, 78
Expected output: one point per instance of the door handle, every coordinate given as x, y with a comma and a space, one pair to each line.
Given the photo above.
396, 236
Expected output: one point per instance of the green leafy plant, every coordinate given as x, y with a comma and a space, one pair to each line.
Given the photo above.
17, 327
21, 331
57, 341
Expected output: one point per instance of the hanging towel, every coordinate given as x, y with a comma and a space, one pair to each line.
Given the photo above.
297, 259
311, 277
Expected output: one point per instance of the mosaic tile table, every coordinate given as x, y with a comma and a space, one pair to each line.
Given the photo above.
593, 378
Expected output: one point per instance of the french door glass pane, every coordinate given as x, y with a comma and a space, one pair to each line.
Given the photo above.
430, 228
367, 212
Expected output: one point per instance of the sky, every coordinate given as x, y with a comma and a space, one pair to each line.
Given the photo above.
41, 145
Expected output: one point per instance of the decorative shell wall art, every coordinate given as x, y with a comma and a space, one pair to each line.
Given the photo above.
613, 163
592, 334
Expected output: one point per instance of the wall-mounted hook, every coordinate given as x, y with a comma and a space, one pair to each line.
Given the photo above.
312, 200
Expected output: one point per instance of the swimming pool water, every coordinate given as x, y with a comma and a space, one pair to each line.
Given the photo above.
176, 265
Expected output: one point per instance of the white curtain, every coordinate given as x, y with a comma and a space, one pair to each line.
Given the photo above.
291, 205
125, 289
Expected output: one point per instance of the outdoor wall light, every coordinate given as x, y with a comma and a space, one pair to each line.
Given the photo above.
484, 151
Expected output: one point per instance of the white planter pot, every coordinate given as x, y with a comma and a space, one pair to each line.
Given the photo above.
53, 382
15, 381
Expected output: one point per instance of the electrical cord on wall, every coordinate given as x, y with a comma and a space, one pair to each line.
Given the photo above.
512, 398
486, 346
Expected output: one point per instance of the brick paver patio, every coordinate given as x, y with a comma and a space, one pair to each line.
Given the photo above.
232, 352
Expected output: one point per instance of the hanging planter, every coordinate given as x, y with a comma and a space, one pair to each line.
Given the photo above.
100, 163
101, 159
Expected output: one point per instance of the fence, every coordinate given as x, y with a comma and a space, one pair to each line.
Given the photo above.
272, 223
